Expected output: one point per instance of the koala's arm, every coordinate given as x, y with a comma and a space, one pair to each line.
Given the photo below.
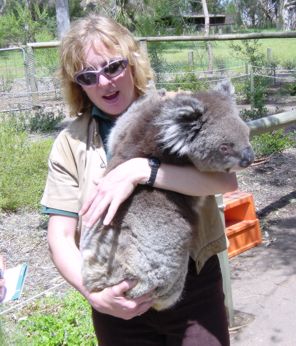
120, 182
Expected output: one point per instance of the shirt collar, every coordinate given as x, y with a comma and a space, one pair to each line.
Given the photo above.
99, 114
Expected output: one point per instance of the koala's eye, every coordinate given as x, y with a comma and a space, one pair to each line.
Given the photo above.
225, 148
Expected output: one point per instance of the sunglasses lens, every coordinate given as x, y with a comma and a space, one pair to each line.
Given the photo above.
115, 68
89, 78
86, 78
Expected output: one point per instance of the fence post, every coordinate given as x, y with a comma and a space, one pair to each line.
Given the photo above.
269, 56
143, 46
247, 69
252, 88
225, 269
190, 58
30, 75
270, 64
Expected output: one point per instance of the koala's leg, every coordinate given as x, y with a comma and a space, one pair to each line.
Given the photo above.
158, 239
168, 296
98, 247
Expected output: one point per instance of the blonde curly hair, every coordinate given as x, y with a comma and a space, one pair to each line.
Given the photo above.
89, 30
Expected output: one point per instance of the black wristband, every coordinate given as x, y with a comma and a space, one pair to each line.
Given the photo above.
154, 164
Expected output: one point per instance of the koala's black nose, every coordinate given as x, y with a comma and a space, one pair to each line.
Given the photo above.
247, 157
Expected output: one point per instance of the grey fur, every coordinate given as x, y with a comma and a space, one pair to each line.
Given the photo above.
150, 237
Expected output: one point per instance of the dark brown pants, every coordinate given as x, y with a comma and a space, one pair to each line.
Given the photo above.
199, 319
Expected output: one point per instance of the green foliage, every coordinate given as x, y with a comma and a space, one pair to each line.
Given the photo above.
59, 321
36, 121
75, 9
23, 168
252, 114
46, 61
2, 336
161, 18
257, 97
289, 64
220, 63
186, 81
21, 24
157, 61
274, 142
214, 6
249, 51
291, 87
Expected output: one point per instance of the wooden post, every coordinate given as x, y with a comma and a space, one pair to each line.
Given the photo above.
247, 69
270, 63
269, 56
252, 88
190, 58
225, 269
143, 46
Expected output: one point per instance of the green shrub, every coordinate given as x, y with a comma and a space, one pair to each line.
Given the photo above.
23, 168
291, 89
289, 64
220, 63
20, 24
2, 336
252, 114
189, 81
249, 51
53, 321
274, 142
36, 121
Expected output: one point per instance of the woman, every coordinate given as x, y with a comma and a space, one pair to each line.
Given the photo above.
103, 72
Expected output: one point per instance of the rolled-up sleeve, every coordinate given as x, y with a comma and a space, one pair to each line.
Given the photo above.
62, 185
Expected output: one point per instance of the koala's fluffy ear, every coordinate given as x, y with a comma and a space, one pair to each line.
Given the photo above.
225, 87
189, 109
179, 117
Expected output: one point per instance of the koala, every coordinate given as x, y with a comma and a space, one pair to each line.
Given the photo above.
151, 234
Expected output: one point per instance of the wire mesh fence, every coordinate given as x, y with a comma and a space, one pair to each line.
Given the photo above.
28, 78
28, 75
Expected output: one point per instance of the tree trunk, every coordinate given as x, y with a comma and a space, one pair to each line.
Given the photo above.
2, 5
288, 15
63, 18
207, 32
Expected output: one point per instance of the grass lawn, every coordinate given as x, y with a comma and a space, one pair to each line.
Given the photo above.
177, 52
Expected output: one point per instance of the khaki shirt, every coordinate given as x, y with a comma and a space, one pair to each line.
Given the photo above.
78, 158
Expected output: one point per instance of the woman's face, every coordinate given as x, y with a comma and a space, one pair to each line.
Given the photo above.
111, 95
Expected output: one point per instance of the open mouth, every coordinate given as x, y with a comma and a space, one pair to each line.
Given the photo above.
111, 97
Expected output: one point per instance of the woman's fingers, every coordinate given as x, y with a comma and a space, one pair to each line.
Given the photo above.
121, 288
112, 190
112, 209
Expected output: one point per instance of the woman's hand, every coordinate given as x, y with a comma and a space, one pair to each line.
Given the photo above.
112, 190
112, 301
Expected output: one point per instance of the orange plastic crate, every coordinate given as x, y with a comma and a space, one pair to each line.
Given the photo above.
242, 226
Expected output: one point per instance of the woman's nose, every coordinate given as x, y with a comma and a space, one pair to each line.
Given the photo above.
103, 80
